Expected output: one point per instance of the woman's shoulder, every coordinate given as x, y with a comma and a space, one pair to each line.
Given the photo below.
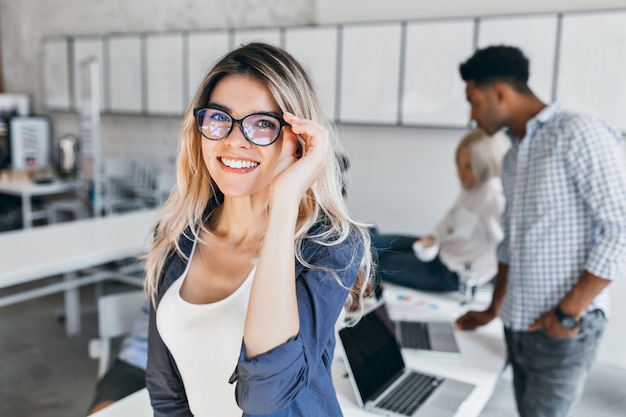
322, 234
176, 261
492, 193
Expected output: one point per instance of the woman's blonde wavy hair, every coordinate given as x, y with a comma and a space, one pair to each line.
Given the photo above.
291, 88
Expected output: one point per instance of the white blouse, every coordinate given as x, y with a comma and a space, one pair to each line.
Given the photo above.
205, 341
472, 230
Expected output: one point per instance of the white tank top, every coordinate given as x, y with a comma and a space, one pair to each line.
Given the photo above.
205, 341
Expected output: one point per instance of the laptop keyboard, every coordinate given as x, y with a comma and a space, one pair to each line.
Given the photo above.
410, 394
414, 335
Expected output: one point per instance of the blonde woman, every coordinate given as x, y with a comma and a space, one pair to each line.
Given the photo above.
255, 253
468, 234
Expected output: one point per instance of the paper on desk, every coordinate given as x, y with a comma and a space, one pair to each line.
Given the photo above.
406, 303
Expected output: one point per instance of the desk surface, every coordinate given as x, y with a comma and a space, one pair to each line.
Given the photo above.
30, 188
26, 189
45, 251
483, 357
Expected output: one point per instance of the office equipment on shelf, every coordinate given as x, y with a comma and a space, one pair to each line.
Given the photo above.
15, 104
31, 146
124, 182
27, 189
382, 382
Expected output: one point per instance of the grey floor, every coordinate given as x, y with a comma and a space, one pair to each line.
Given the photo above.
43, 373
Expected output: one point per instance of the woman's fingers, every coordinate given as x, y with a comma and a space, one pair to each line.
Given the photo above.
314, 135
299, 174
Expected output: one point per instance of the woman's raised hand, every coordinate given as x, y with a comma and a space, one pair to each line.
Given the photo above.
294, 176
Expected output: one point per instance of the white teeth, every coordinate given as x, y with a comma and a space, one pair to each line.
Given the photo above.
238, 163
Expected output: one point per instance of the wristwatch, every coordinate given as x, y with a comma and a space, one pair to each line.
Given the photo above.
567, 322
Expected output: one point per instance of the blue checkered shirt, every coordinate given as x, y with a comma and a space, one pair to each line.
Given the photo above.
565, 189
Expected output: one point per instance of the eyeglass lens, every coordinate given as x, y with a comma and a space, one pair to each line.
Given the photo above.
260, 129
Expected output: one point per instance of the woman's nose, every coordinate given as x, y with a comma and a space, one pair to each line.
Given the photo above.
235, 136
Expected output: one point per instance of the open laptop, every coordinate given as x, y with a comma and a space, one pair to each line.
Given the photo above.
432, 337
380, 379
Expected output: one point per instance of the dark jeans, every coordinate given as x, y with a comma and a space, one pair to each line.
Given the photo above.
549, 373
398, 264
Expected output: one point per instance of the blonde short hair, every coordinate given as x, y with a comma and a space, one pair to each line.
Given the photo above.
486, 152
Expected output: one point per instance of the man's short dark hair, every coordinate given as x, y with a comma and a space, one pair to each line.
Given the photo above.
497, 63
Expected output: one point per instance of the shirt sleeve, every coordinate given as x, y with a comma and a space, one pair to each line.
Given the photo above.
492, 214
507, 177
596, 163
270, 382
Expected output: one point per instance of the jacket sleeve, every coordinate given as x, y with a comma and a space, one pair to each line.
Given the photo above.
163, 380
270, 382
165, 386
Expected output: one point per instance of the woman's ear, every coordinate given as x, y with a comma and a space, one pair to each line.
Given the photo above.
299, 148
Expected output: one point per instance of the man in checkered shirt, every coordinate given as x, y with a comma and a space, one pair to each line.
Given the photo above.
564, 180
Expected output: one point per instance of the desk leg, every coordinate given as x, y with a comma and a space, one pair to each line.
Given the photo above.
27, 218
72, 306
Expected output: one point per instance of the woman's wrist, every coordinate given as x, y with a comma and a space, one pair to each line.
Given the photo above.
284, 207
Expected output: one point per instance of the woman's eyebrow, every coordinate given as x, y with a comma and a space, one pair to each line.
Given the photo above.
219, 107
226, 109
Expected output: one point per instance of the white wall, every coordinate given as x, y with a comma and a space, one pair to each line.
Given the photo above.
402, 179
342, 11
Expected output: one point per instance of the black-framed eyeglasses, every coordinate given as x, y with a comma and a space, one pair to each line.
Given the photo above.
261, 129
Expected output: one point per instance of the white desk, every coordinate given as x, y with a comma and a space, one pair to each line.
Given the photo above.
32, 254
26, 190
483, 357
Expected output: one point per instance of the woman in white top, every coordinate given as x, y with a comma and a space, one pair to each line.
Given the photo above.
466, 237
255, 252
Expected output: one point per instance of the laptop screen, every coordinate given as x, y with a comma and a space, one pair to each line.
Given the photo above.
372, 352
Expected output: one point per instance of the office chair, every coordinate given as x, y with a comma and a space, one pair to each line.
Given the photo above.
116, 314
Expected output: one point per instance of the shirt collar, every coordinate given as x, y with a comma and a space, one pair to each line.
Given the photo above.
537, 121
545, 114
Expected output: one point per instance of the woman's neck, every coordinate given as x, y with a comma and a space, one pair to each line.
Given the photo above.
240, 220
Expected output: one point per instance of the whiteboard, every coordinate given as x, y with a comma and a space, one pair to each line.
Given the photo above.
125, 74
592, 65
204, 50
370, 74
56, 74
243, 36
433, 92
85, 48
316, 50
535, 36
164, 65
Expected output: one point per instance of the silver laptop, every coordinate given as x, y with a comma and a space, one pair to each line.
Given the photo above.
380, 379
436, 337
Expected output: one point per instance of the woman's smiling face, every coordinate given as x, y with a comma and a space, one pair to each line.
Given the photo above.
238, 167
